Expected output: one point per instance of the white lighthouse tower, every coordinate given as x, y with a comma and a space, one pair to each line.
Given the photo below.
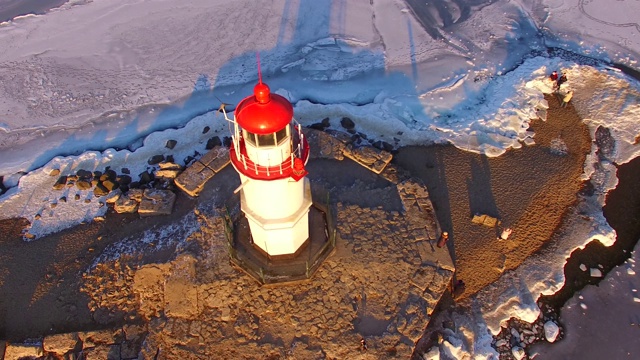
269, 151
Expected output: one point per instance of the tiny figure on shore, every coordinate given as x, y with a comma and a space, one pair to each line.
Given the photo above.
567, 98
561, 80
363, 344
506, 232
554, 76
458, 289
444, 237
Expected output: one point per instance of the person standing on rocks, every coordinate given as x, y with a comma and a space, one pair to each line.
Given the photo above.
444, 237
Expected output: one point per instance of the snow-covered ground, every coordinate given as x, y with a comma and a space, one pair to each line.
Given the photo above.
105, 83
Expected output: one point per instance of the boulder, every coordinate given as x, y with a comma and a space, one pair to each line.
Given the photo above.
156, 202
125, 204
60, 183
213, 142
124, 179
551, 331
109, 185
100, 337
23, 350
170, 144
347, 123
83, 185
135, 194
54, 172
100, 190
60, 344
155, 159
113, 196
84, 174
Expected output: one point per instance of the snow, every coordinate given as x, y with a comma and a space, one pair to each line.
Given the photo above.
92, 84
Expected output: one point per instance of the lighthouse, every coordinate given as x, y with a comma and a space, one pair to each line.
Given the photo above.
269, 152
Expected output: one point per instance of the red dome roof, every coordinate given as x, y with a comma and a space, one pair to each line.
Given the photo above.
264, 113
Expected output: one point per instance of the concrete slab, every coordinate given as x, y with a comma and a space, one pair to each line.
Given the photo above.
156, 202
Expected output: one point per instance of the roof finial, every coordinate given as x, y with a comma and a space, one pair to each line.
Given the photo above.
259, 71
261, 91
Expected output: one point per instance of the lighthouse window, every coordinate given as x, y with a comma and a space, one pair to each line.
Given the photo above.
266, 139
281, 135
249, 137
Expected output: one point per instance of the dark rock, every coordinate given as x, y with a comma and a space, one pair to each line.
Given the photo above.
363, 135
84, 174
63, 199
60, 183
97, 174
155, 159
100, 190
126, 171
351, 131
226, 141
111, 174
188, 160
213, 142
76, 197
124, 179
134, 185
206, 129
83, 185
170, 158
317, 126
383, 145
325, 123
110, 185
2, 188
87, 200
146, 177
347, 123
124, 188
171, 144
53, 205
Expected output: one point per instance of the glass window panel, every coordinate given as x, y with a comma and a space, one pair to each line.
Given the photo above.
249, 137
266, 140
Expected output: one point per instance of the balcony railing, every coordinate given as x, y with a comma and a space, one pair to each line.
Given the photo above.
246, 166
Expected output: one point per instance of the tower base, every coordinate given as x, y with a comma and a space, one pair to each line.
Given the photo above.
268, 269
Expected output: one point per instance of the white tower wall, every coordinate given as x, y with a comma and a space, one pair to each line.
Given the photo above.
283, 234
273, 199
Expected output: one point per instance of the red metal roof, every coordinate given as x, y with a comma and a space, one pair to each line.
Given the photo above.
264, 113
